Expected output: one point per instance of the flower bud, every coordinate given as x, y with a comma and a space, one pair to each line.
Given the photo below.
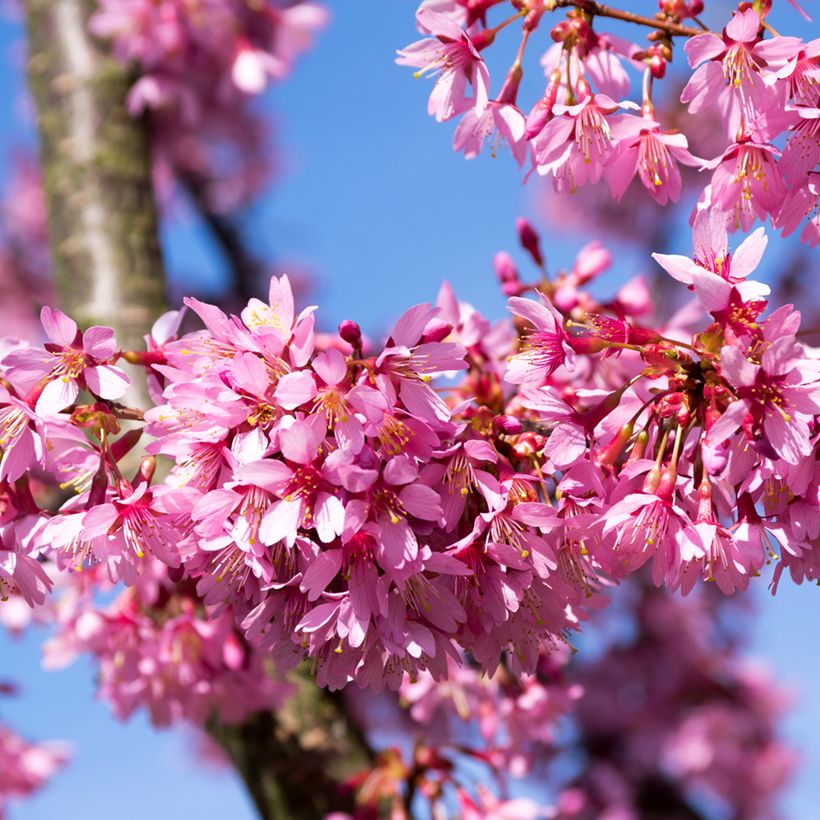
507, 425
507, 273
436, 331
530, 240
541, 113
351, 333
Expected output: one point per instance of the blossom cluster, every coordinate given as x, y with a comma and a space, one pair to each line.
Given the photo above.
157, 649
462, 487
667, 717
585, 128
25, 767
198, 65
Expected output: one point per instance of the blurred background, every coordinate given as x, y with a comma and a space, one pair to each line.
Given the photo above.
369, 209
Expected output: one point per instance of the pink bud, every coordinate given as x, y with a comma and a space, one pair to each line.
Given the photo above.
592, 260
530, 240
351, 333
505, 268
507, 425
436, 331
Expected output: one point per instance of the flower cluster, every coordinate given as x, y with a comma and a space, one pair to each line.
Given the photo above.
585, 129
669, 716
25, 767
157, 649
198, 65
463, 487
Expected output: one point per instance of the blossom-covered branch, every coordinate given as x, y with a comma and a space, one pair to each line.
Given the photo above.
587, 127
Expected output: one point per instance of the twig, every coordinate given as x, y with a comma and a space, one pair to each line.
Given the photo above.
598, 10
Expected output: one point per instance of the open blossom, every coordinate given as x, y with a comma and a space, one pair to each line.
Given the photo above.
22, 436
774, 393
712, 258
72, 359
501, 119
802, 201
578, 142
545, 348
451, 54
131, 526
747, 184
729, 70
652, 154
651, 526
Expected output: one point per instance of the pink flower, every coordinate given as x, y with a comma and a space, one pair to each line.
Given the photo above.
132, 525
22, 437
20, 571
712, 258
653, 155
73, 359
451, 54
407, 363
651, 525
577, 143
780, 403
502, 118
729, 72
747, 184
545, 348
802, 201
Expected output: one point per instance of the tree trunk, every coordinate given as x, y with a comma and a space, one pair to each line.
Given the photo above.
97, 174
294, 763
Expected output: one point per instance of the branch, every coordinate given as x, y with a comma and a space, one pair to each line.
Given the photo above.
245, 269
294, 763
97, 173
598, 10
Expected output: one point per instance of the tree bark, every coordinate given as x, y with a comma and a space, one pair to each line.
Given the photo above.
97, 174
294, 762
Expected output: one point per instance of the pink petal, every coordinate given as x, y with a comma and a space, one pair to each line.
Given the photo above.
328, 517
749, 253
281, 522
320, 573
99, 342
410, 326
331, 366
742, 28
58, 327
421, 501
678, 267
317, 618
57, 395
299, 442
295, 389
266, 474
106, 381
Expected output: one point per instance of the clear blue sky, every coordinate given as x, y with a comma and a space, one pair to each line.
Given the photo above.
381, 210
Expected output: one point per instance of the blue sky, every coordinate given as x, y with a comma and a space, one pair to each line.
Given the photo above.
380, 209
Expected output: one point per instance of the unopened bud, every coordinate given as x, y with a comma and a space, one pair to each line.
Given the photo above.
351, 333
530, 240
436, 331
611, 453
507, 425
505, 269
148, 467
639, 447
